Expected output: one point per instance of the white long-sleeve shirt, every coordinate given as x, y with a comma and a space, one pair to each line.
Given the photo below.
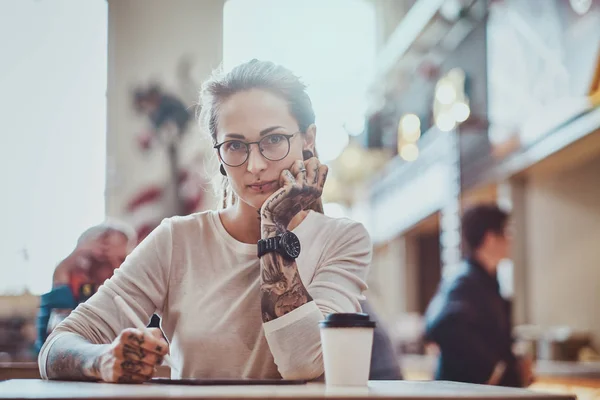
205, 286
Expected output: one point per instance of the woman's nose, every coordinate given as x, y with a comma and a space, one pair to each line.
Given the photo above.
256, 161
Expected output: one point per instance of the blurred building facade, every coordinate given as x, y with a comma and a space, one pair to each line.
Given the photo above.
489, 101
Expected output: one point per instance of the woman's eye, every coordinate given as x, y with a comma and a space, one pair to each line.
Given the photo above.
234, 145
274, 139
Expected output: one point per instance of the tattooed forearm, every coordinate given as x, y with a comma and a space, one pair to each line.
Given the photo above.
73, 358
270, 229
282, 290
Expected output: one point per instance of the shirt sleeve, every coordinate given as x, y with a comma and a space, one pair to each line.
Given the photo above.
337, 286
142, 281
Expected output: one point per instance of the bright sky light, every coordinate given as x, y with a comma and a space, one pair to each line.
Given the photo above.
52, 145
330, 44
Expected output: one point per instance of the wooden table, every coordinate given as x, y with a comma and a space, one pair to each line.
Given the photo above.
30, 370
38, 389
19, 370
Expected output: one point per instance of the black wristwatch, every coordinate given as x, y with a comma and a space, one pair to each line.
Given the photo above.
286, 244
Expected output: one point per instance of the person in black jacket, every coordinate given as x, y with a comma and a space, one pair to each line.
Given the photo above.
468, 318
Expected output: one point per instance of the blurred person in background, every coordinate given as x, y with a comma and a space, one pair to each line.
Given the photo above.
468, 319
385, 364
99, 251
240, 290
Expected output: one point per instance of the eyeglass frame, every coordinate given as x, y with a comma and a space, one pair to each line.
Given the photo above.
257, 143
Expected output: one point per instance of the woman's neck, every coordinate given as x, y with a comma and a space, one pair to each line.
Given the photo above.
242, 222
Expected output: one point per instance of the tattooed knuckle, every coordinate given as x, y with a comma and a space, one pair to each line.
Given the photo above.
159, 348
114, 376
164, 350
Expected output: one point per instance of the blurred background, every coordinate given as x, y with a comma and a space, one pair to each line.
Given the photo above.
424, 107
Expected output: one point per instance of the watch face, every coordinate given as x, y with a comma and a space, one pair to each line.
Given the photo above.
290, 244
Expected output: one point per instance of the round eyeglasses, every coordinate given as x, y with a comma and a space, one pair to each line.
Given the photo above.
273, 147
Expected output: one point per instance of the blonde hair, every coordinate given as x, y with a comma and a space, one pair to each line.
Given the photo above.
254, 74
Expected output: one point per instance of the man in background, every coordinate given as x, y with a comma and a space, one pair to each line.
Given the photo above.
468, 318
99, 251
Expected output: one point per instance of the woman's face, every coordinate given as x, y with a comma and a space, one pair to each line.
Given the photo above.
250, 116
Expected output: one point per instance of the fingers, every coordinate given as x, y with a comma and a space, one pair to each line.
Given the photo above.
128, 352
286, 178
307, 172
298, 169
129, 367
134, 356
322, 176
144, 341
312, 171
127, 377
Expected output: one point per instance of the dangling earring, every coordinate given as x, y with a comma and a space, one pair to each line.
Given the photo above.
307, 154
222, 169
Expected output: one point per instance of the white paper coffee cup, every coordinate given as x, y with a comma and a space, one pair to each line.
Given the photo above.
346, 340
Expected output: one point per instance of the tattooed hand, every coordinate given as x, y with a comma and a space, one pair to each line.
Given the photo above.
282, 290
301, 185
131, 358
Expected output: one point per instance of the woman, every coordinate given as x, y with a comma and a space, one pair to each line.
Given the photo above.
231, 308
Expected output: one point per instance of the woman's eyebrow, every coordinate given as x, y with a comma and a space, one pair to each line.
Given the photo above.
235, 136
269, 130
262, 133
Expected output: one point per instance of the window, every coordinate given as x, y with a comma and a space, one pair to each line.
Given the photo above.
329, 44
52, 144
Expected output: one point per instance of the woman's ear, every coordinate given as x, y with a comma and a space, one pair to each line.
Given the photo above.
309, 138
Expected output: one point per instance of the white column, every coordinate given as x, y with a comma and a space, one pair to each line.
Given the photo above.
147, 41
450, 241
519, 256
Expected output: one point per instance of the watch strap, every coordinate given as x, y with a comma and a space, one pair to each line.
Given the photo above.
268, 245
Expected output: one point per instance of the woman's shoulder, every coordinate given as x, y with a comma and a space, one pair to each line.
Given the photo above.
337, 239
191, 219
190, 225
336, 222
337, 228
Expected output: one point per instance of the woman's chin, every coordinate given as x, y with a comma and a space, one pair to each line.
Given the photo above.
256, 200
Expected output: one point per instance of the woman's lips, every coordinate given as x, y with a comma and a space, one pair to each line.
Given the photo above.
263, 186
